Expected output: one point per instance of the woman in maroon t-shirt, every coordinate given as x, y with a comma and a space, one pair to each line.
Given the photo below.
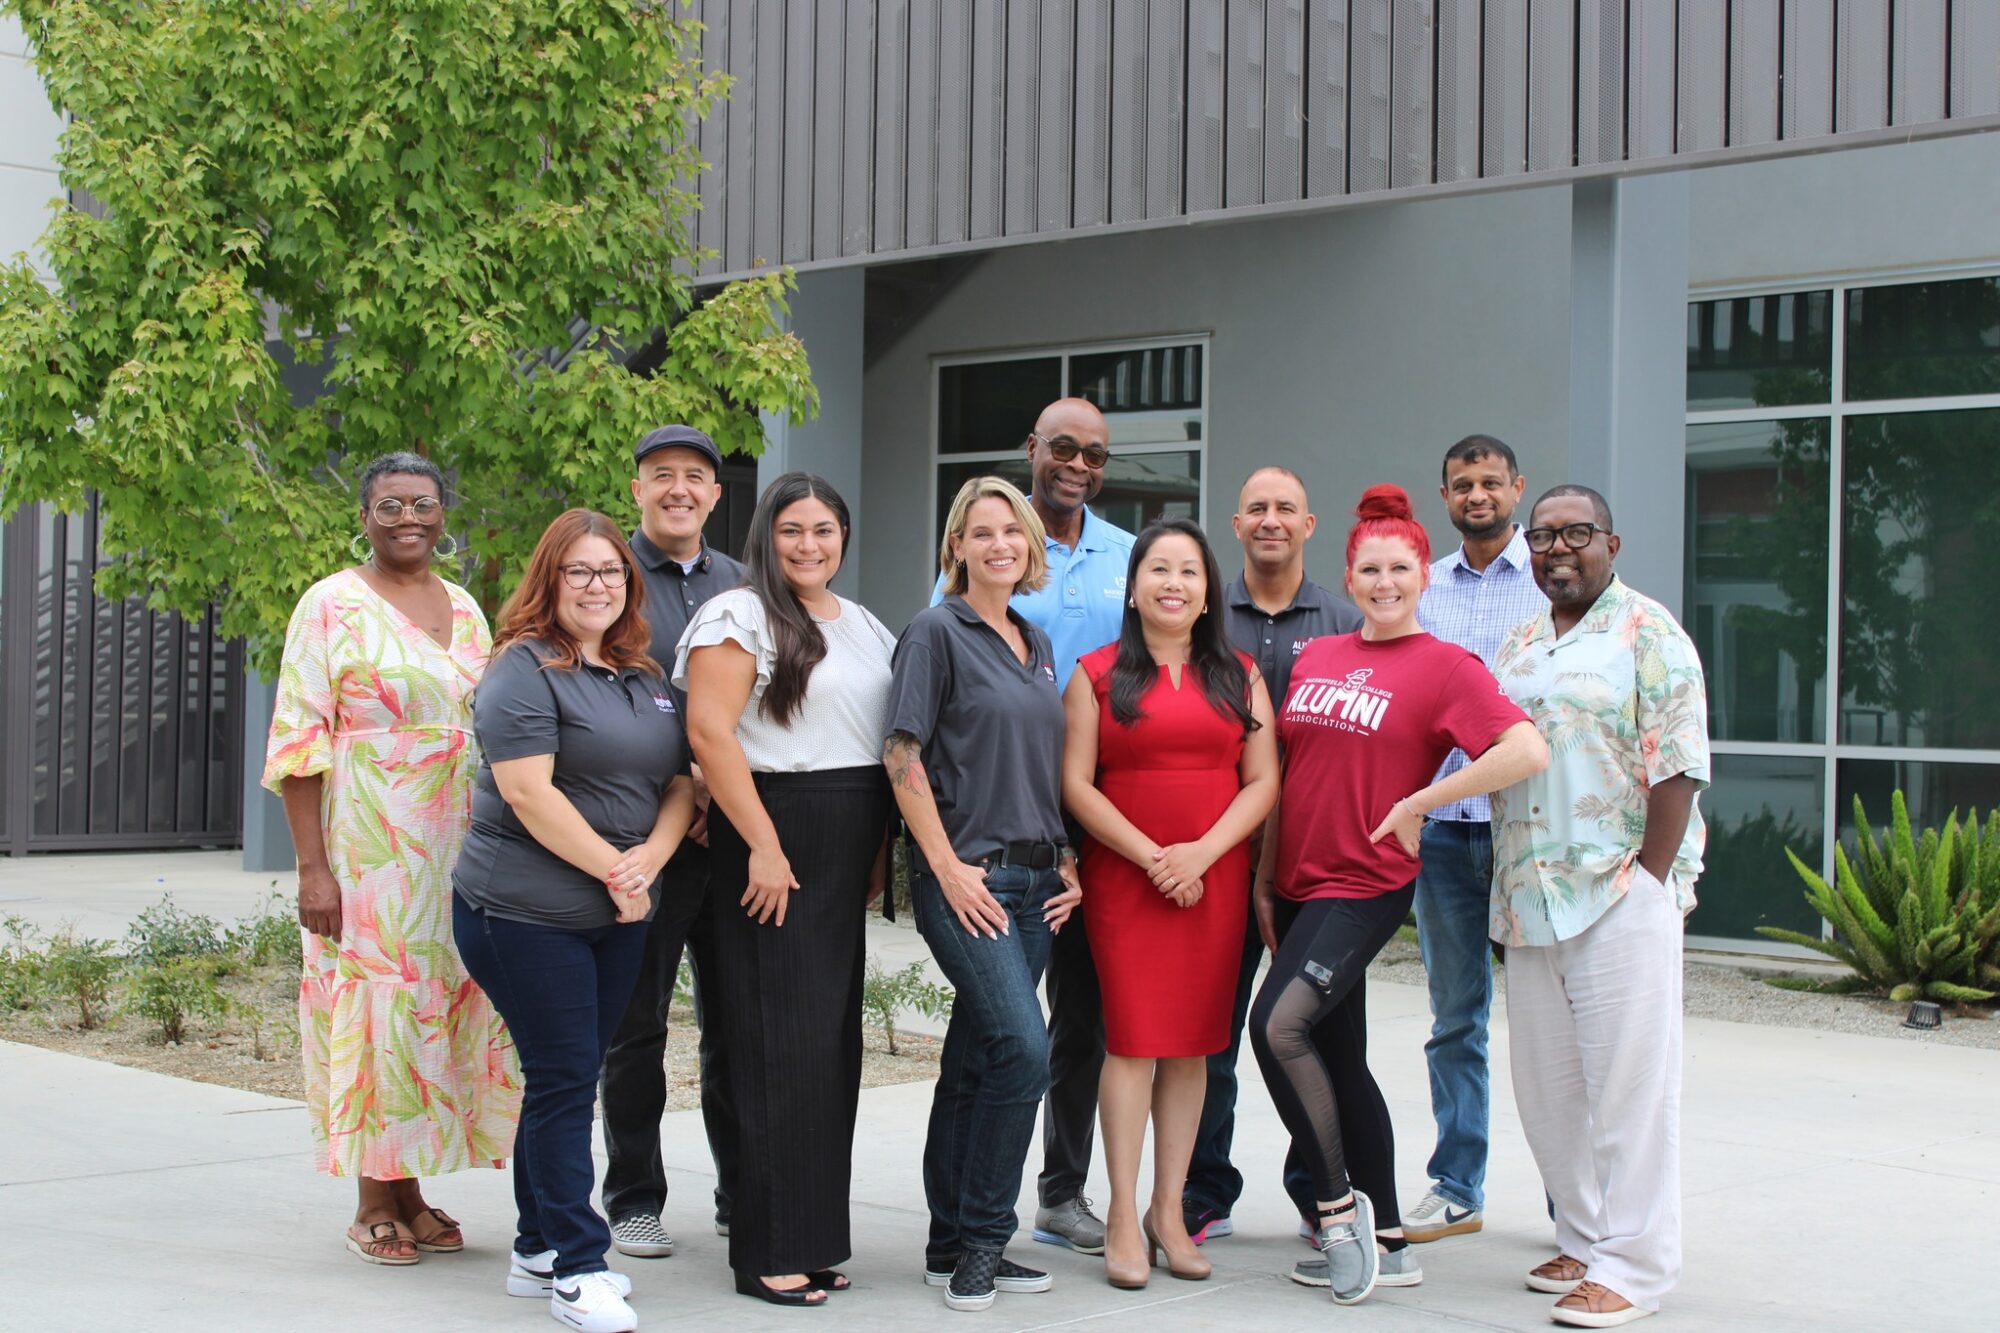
1369, 718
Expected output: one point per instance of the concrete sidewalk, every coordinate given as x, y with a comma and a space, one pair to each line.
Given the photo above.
1831, 1182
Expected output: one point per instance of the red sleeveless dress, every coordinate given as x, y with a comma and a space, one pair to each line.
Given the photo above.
1168, 973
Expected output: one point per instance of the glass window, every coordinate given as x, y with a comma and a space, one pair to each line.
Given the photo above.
991, 405
1924, 339
1137, 487
1756, 575
1149, 395
1931, 790
1760, 351
1917, 666
1756, 807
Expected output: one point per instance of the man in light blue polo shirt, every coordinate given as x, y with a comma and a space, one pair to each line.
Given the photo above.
1080, 608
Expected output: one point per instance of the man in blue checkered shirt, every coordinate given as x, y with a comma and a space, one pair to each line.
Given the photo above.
1476, 594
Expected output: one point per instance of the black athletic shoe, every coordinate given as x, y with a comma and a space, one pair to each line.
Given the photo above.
971, 1286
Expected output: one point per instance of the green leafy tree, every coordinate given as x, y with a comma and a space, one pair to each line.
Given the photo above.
455, 218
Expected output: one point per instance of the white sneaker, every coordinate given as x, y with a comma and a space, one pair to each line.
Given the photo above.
593, 1303
535, 1274
641, 1236
1436, 1217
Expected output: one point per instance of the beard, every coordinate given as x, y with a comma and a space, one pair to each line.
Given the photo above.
1469, 528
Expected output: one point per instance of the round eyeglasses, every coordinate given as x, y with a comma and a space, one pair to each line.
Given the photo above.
611, 576
389, 510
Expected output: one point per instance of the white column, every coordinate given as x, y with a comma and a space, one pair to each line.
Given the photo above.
827, 315
1628, 367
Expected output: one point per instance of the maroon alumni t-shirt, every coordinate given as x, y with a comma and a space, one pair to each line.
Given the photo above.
1366, 724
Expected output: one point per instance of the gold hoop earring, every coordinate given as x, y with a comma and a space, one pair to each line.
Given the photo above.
359, 547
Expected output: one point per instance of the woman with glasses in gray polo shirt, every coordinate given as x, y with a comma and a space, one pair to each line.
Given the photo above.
974, 755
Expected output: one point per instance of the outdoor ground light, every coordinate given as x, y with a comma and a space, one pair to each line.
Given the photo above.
1924, 1014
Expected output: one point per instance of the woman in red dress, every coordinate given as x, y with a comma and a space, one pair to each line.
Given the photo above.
1169, 763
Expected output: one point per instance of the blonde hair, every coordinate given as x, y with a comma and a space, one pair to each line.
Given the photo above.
999, 488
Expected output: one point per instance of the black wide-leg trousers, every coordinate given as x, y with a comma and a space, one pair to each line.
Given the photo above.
788, 999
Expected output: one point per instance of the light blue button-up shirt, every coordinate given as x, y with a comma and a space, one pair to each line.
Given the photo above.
1082, 605
1475, 610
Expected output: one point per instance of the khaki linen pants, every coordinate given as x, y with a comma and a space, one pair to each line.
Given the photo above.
1595, 1027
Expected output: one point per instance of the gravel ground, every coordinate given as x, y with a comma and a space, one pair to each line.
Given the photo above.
1736, 996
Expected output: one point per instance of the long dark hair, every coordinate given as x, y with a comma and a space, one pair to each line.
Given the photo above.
1218, 671
796, 641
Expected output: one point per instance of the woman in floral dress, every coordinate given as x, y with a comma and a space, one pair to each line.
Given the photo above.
409, 1072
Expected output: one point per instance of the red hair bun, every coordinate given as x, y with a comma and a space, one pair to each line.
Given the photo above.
1384, 501
1385, 511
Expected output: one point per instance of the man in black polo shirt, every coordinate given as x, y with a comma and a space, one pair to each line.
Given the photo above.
1272, 611
676, 486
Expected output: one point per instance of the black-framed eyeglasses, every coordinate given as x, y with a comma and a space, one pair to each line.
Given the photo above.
1576, 536
611, 576
389, 510
1062, 448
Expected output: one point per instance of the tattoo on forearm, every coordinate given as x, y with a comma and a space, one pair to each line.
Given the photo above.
904, 759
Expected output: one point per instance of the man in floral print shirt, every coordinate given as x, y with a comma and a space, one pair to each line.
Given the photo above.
1594, 863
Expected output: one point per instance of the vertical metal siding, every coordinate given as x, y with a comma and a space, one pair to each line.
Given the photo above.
954, 131
892, 112
1649, 82
1459, 76
1126, 132
714, 216
1023, 93
1703, 87
739, 161
920, 194
767, 190
1206, 91
857, 137
1284, 101
1551, 84
1861, 62
1167, 107
988, 164
1975, 59
1368, 68
1600, 81
1412, 92
1326, 98
1243, 105
1504, 92
1918, 78
801, 104
1055, 162
1753, 73
1807, 97
1092, 204
829, 121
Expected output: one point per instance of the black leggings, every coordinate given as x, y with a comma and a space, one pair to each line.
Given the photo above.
1309, 1028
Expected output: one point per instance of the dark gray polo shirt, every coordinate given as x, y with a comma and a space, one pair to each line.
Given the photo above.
673, 595
991, 727
618, 742
1273, 642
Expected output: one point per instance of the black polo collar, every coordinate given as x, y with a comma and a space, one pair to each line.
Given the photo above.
1309, 595
652, 557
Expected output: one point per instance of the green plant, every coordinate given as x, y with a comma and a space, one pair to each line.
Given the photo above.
80, 972
20, 964
1913, 915
163, 932
172, 992
268, 935
885, 993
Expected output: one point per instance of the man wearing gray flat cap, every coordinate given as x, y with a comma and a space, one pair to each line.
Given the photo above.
676, 484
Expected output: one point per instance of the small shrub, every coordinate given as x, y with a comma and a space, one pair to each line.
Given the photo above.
884, 993
269, 935
684, 980
163, 932
177, 990
1913, 915
80, 972
21, 964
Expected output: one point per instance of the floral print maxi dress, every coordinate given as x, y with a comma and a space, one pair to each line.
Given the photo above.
408, 1069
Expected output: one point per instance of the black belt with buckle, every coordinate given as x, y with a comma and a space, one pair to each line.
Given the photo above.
1033, 855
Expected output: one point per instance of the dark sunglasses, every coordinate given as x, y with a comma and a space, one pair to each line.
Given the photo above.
1062, 448
1576, 536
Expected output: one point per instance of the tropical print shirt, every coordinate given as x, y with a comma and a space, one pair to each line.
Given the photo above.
1621, 702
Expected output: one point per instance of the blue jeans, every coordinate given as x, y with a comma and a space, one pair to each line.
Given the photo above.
1454, 896
1213, 1179
562, 993
995, 1064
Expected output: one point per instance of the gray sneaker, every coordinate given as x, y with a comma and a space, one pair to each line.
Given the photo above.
1071, 1225
1392, 1270
1352, 1261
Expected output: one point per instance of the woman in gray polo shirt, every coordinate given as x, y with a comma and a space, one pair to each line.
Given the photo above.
787, 686
974, 755
583, 795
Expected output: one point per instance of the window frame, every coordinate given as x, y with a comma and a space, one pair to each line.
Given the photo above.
1066, 352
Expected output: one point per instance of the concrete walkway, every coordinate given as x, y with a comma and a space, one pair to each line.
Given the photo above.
1831, 1182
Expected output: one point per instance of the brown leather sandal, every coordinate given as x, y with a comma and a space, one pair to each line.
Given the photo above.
378, 1243
444, 1236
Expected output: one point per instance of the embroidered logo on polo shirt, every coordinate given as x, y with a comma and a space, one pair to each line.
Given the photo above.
663, 703
1049, 673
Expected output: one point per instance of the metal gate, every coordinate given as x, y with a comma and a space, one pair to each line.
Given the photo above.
120, 727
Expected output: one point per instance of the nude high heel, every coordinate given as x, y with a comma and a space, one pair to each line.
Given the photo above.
1196, 1271
1127, 1277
